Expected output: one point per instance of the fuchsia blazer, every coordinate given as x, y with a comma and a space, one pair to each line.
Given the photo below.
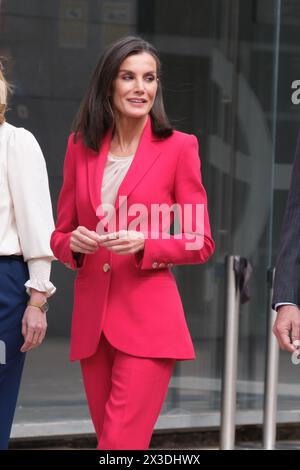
133, 298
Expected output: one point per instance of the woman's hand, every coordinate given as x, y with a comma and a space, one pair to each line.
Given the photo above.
126, 241
34, 322
84, 241
34, 326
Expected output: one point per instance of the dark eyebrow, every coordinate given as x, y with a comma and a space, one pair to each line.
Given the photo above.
124, 70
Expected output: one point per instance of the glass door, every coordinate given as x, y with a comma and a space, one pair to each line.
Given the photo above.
222, 78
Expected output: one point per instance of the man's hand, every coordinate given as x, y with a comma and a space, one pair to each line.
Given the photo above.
287, 327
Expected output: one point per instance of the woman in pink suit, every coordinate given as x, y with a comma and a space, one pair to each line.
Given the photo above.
125, 168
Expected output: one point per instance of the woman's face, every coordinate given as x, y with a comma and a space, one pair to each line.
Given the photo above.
134, 88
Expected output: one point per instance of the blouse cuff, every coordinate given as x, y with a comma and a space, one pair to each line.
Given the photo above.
39, 274
41, 286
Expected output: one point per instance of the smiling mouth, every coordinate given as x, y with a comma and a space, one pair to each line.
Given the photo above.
137, 101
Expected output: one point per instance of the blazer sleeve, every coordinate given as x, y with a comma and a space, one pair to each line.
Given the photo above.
194, 243
67, 219
287, 272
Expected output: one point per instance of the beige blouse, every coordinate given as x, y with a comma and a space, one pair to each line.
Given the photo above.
115, 170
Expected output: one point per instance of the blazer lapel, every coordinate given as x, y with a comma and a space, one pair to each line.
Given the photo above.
147, 152
96, 165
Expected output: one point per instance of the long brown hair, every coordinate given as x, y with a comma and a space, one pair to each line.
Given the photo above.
95, 115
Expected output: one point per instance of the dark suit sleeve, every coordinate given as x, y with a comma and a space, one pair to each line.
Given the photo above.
287, 274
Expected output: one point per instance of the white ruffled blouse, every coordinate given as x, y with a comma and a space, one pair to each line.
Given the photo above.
26, 220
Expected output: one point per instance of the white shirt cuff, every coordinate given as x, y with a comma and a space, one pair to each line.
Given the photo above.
284, 303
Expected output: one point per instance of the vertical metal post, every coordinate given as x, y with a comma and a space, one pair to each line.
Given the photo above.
271, 375
228, 405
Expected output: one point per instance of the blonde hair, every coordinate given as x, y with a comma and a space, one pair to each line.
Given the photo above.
4, 89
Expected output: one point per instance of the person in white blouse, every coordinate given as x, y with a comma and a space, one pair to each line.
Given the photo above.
26, 223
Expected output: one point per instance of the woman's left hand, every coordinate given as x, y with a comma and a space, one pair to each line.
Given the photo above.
123, 242
34, 326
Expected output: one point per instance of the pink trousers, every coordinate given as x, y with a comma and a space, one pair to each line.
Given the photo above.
125, 394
